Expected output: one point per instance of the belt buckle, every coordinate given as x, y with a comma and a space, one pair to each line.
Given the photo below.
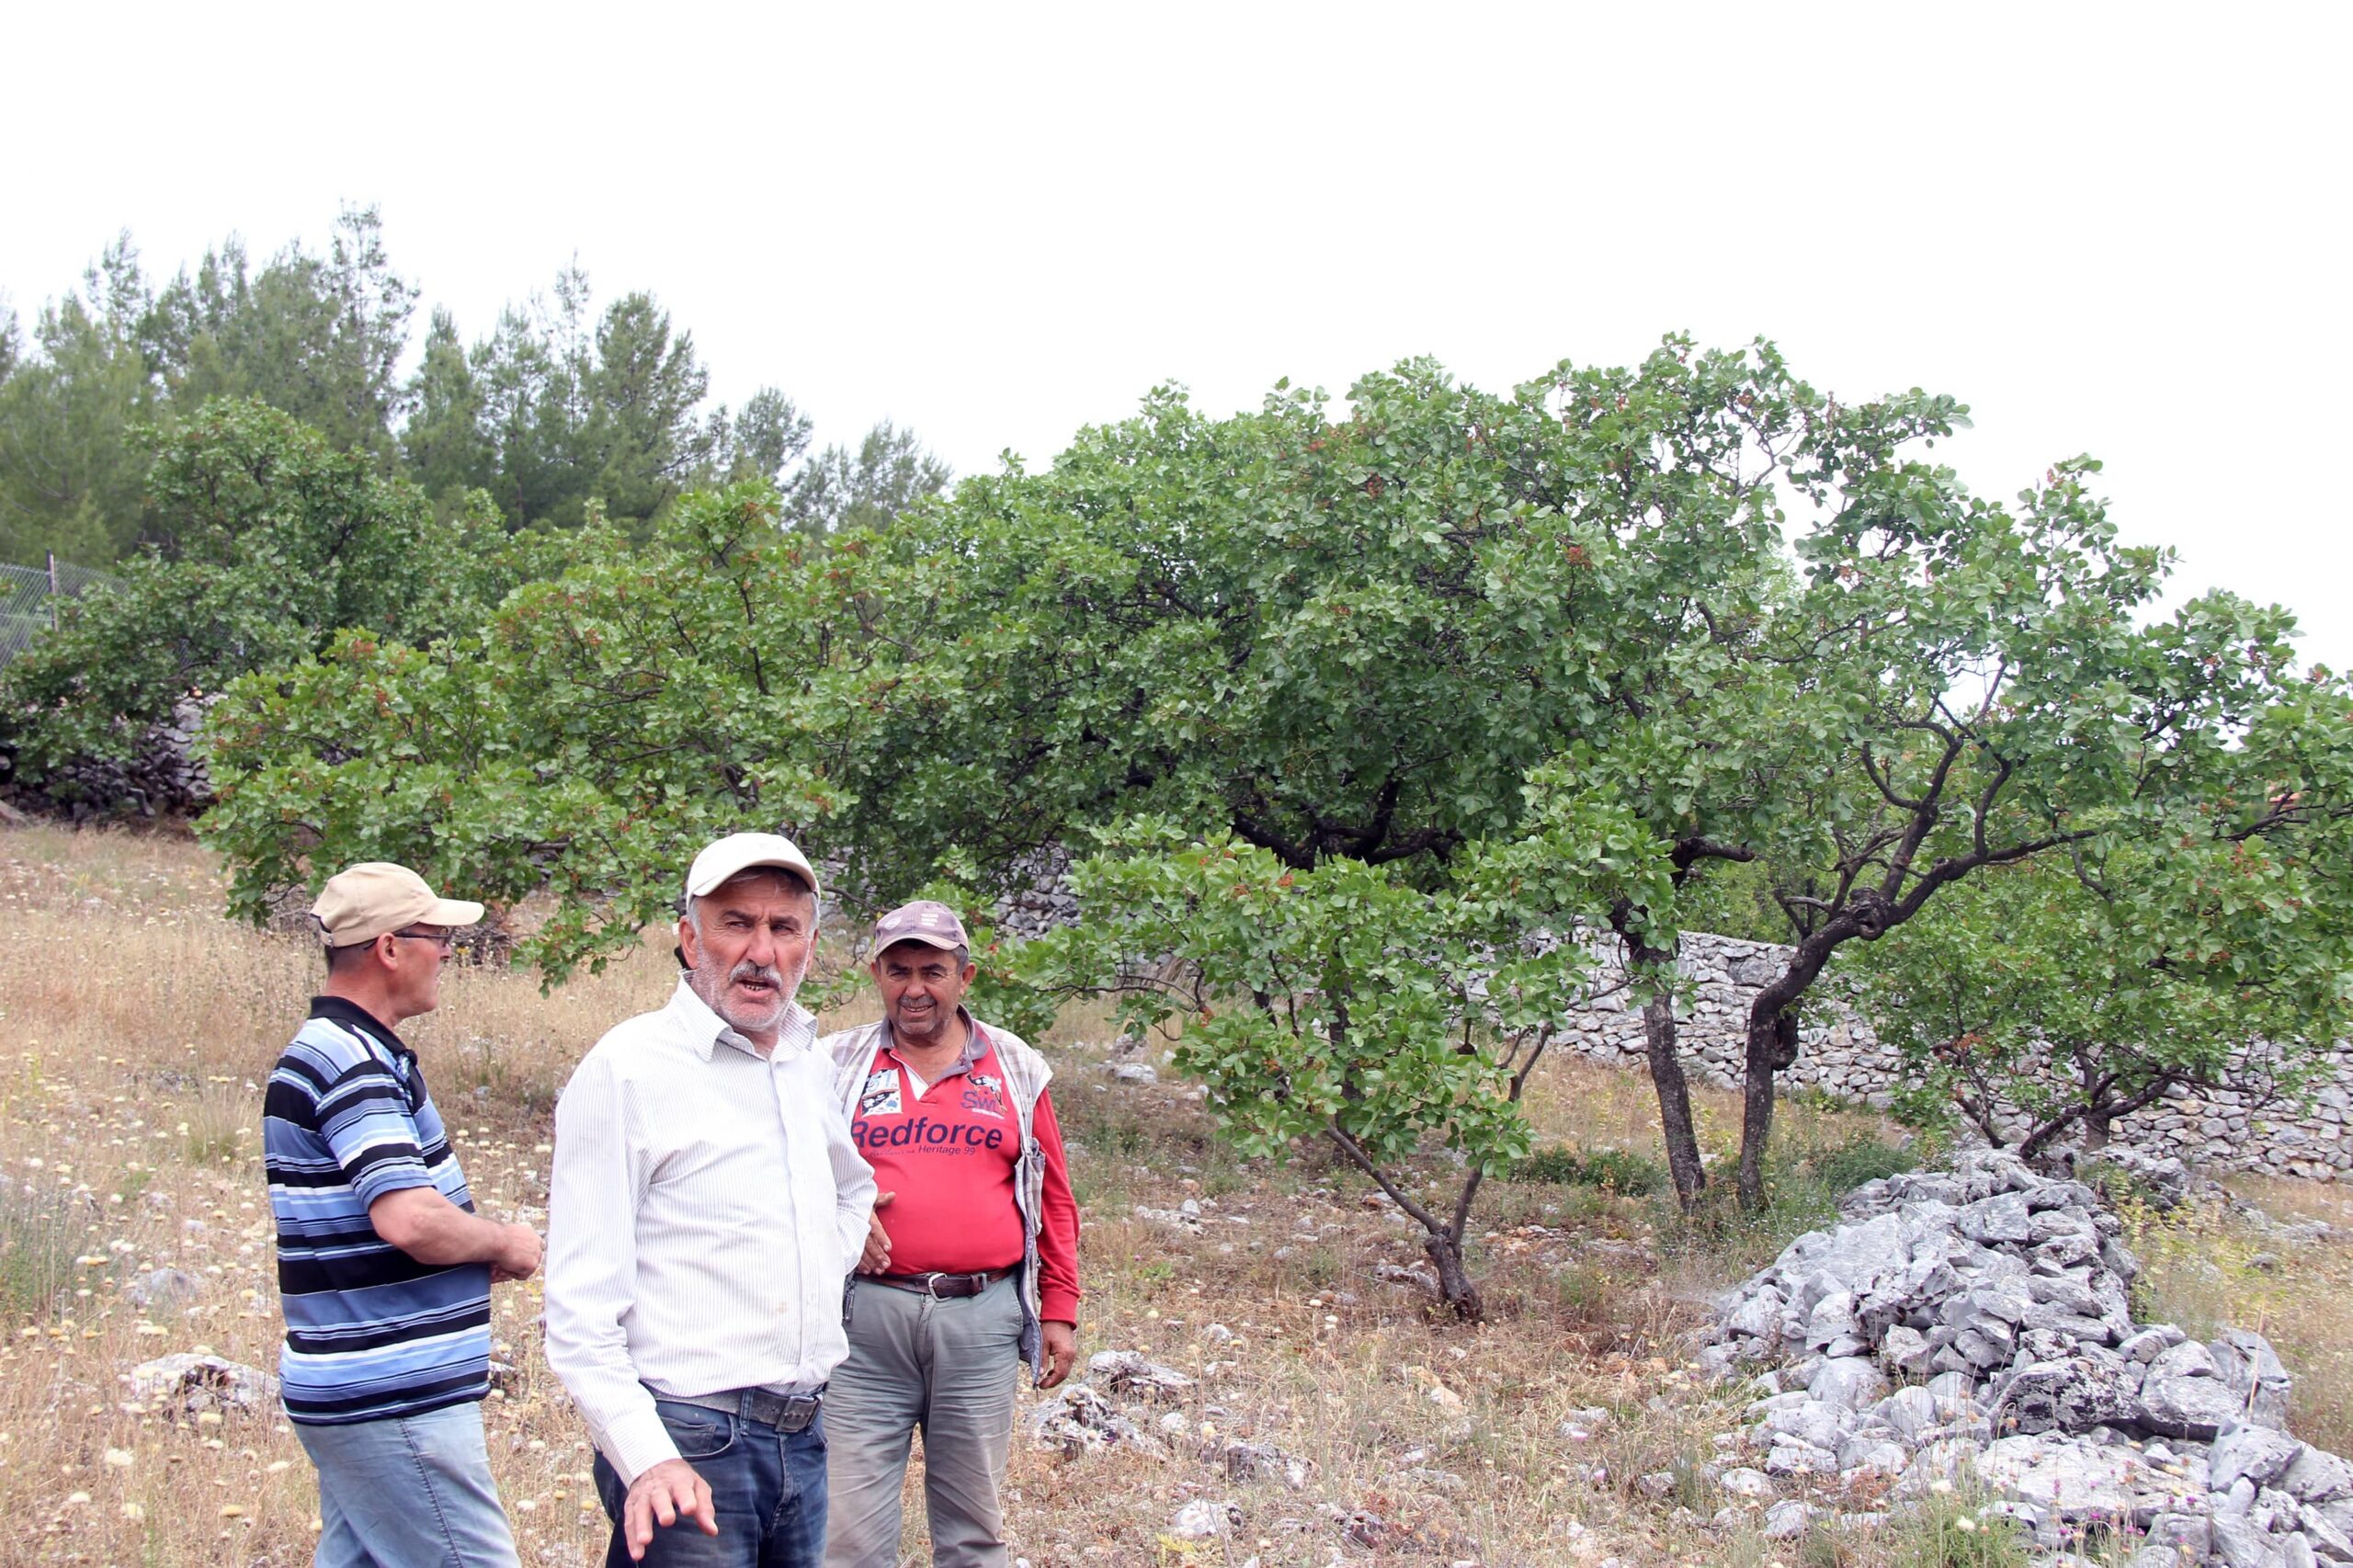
931, 1284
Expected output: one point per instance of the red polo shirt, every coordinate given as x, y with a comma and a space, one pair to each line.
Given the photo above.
947, 1154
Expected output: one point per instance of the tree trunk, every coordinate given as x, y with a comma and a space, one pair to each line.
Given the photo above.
1772, 1045
1659, 1039
1674, 1100
1454, 1286
2032, 1148
2098, 1127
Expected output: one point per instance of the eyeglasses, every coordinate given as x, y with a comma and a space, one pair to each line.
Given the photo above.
445, 940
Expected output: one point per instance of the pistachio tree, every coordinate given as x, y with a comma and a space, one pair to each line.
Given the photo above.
2053, 998
1962, 686
1337, 1003
268, 542
584, 739
1745, 623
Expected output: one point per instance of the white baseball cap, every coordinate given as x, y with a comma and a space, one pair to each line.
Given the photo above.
739, 852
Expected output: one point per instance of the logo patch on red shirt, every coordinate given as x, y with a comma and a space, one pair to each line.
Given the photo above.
880, 1096
985, 1094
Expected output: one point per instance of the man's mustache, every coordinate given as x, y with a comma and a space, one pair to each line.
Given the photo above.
760, 972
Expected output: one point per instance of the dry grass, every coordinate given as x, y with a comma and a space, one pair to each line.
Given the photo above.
137, 1029
2204, 1266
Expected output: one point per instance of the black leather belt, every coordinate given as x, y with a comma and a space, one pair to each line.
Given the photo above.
945, 1286
786, 1412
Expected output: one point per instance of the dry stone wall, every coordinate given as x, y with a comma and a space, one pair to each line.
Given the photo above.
1841, 1057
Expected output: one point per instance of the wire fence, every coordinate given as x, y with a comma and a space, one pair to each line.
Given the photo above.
26, 596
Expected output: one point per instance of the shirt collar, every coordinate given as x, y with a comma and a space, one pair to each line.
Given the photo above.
705, 1030
351, 1014
976, 1044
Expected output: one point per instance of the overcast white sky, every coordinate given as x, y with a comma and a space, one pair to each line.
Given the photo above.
2114, 229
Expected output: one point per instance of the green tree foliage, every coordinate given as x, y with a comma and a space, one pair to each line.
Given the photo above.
1337, 1003
1960, 686
319, 337
587, 737
274, 540
446, 444
2051, 998
70, 470
1349, 637
867, 489
767, 437
1396, 647
563, 408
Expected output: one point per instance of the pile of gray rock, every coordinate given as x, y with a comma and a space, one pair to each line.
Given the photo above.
1997, 1299
163, 774
198, 1382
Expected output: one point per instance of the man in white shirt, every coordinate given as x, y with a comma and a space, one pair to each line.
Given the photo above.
705, 1208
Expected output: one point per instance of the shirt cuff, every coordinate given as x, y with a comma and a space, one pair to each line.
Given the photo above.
636, 1443
1057, 1306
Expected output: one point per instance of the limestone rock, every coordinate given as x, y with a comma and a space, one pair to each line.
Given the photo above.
1746, 1482
2316, 1476
2246, 1363
1201, 1518
2187, 1406
1849, 1383
1077, 1420
2174, 1541
2079, 1483
1263, 1461
1126, 1372
2071, 1395
2260, 1453
196, 1384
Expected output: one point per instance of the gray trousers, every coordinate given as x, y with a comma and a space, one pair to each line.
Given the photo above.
948, 1369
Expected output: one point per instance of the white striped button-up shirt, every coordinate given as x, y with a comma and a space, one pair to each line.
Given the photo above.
705, 1208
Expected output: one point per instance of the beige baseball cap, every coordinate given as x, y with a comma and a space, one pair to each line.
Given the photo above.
739, 852
361, 903
925, 921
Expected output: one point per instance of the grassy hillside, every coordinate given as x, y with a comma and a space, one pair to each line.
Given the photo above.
136, 1026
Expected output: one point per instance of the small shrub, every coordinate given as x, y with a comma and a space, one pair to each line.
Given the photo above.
1616, 1169
1953, 1529
219, 1126
1582, 1293
40, 1234
1844, 1168
1828, 1546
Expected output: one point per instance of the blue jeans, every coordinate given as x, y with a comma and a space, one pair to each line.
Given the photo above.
768, 1489
407, 1492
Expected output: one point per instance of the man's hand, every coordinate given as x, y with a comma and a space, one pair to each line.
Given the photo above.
1062, 1352
518, 1255
663, 1496
876, 1258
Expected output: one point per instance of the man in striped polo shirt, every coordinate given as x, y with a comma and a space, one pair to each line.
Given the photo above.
383, 1266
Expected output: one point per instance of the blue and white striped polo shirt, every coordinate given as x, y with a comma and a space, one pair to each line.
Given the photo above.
370, 1332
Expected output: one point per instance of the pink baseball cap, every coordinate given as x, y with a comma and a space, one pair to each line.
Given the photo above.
927, 921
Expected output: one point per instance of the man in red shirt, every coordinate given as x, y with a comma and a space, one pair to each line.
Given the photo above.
973, 1269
